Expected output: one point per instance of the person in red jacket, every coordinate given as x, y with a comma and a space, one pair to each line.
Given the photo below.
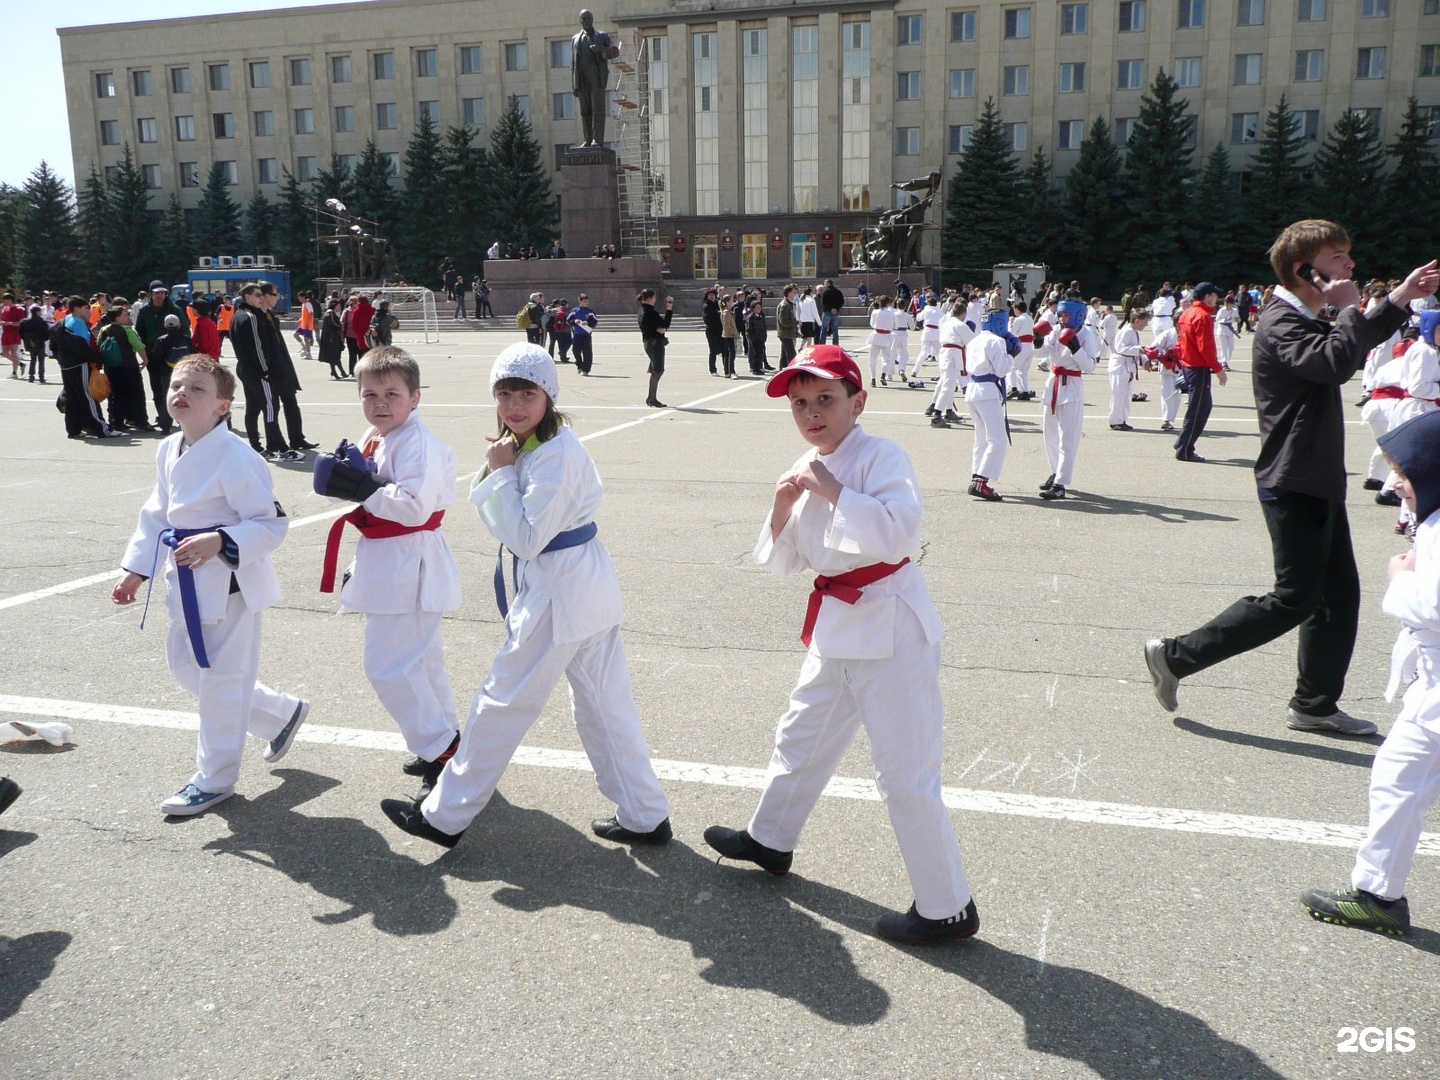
1198, 362
360, 317
204, 335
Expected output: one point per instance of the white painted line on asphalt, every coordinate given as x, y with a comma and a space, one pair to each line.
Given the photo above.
56, 590
972, 800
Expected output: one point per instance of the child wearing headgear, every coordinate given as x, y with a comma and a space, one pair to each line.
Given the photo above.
404, 576
1405, 775
988, 361
539, 494
850, 511
1071, 353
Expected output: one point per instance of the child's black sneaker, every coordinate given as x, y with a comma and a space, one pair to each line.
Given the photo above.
1356, 907
733, 844
912, 928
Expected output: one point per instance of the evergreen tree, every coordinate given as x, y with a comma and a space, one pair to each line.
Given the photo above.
91, 209
294, 237
1279, 192
1040, 237
334, 182
1157, 231
465, 176
982, 218
12, 213
524, 206
1412, 194
1217, 208
257, 230
1092, 213
1348, 174
174, 252
218, 230
374, 195
422, 238
47, 241
130, 231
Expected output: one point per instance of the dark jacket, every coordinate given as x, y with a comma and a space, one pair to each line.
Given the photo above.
150, 321
710, 316
34, 332
786, 323
652, 322
832, 299
1299, 366
332, 337
260, 351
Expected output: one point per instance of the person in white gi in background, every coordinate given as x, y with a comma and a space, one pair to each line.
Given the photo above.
1227, 330
850, 511
955, 334
975, 309
882, 332
1405, 773
900, 345
1022, 326
1162, 310
930, 316
1420, 379
1386, 391
989, 361
539, 494
1072, 352
1126, 356
404, 576
1163, 354
218, 497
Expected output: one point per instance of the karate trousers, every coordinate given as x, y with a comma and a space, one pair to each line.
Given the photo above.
928, 349
1169, 395
507, 706
1378, 413
899, 355
948, 382
405, 663
897, 698
1061, 429
1121, 384
880, 359
988, 457
1019, 378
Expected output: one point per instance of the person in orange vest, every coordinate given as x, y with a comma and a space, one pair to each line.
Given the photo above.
305, 332
223, 317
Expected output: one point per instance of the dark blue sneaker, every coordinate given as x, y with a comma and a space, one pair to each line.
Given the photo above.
190, 800
280, 745
9, 792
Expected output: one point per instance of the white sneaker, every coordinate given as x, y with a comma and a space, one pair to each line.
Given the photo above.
190, 800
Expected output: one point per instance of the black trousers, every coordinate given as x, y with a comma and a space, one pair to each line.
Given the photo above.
1197, 409
729, 354
127, 396
261, 400
352, 351
1317, 588
82, 412
757, 357
787, 351
159, 372
716, 344
584, 349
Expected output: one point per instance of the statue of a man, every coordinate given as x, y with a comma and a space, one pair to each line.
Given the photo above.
589, 73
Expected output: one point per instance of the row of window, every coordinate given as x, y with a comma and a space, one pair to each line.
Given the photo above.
267, 170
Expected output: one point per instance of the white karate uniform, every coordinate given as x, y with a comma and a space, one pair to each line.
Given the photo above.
875, 662
1023, 327
1162, 343
986, 355
564, 620
954, 336
219, 483
1062, 405
900, 344
1163, 310
930, 319
1124, 371
975, 312
404, 583
1405, 774
1420, 378
882, 331
1227, 333
1379, 412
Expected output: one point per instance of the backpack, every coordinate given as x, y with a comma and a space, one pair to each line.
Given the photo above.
559, 324
111, 352
522, 318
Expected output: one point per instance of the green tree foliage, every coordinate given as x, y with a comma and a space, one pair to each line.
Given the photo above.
293, 244
91, 209
1277, 183
465, 171
47, 249
524, 206
334, 182
1411, 197
257, 229
1347, 177
982, 217
173, 250
131, 231
423, 236
1040, 237
11, 215
1216, 255
218, 231
1089, 249
375, 196
1157, 232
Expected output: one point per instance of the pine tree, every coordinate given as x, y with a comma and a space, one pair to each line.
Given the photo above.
218, 230
982, 218
174, 252
1279, 192
1040, 205
1217, 210
334, 182
130, 231
422, 238
257, 230
91, 204
1412, 194
294, 239
47, 241
465, 176
1348, 173
1092, 212
374, 195
12, 213
524, 206
1157, 174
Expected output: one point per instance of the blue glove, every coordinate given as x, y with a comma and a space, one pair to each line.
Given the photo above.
1012, 344
336, 478
352, 455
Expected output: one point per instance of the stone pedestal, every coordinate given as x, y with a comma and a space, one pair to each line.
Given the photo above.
589, 200
610, 283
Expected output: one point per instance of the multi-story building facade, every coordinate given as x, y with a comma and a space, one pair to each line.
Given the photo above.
774, 130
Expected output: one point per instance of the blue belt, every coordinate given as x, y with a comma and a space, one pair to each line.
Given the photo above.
568, 539
999, 384
185, 578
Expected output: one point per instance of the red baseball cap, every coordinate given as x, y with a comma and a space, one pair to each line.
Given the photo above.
822, 361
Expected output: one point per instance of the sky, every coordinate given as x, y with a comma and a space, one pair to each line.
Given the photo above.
30, 73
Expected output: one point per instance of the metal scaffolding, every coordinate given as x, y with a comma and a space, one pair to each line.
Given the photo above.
639, 193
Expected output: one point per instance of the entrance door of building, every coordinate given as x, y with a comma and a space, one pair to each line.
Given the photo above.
707, 257
753, 255
803, 252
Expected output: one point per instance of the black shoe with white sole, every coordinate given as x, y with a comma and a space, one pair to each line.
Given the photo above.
733, 844
408, 817
912, 928
610, 829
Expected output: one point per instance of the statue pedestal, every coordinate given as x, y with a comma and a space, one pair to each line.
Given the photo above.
589, 200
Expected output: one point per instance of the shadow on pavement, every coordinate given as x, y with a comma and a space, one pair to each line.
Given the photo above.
13, 841
339, 857
1085, 502
28, 962
1287, 746
741, 921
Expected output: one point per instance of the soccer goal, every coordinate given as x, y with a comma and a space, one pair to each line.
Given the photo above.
415, 308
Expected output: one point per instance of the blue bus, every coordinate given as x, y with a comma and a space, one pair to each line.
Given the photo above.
228, 281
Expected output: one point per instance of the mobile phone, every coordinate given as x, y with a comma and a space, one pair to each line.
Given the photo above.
1309, 273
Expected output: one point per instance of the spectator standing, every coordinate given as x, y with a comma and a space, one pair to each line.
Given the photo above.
559, 329
1198, 363
382, 326
729, 333
582, 332
332, 338
223, 317
34, 334
124, 356
832, 300
808, 312
460, 290
168, 350
11, 316
535, 312
483, 310
653, 328
204, 336
267, 381
714, 333
75, 352
787, 324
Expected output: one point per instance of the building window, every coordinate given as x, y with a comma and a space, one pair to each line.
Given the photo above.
229, 172
705, 73
223, 124
152, 176
259, 74
1247, 69
387, 117
472, 112
105, 84
706, 254
305, 167
805, 119
803, 250
1190, 14
1072, 78
1132, 16
1250, 12
517, 56
1072, 132
907, 141
382, 65
1432, 7
1309, 65
1074, 18
855, 114
1244, 127
1312, 11
1187, 71
340, 69
522, 105
909, 30
851, 249
962, 83
1017, 22
1374, 117
189, 174
754, 250
141, 83
562, 106
428, 110
344, 118
219, 76
392, 159
1307, 124
562, 53
427, 63
184, 129
1130, 75
1374, 9
962, 26
304, 121
909, 86
657, 49
470, 60
1428, 63
180, 80
1125, 127
109, 132
265, 171
1017, 80
755, 133
300, 71
1370, 64
1016, 135
960, 137
263, 122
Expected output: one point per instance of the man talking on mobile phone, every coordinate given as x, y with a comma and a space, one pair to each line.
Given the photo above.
1299, 365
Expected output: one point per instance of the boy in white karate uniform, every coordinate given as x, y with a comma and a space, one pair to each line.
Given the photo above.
955, 334
930, 316
1384, 391
404, 577
850, 511
214, 510
1227, 330
1405, 775
882, 334
1164, 354
1126, 355
1022, 326
988, 361
900, 345
1072, 351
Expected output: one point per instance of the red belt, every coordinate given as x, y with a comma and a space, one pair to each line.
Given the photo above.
879, 331
847, 587
1391, 393
1065, 374
1027, 337
932, 326
371, 527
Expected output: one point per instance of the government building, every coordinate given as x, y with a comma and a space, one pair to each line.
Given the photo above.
755, 140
